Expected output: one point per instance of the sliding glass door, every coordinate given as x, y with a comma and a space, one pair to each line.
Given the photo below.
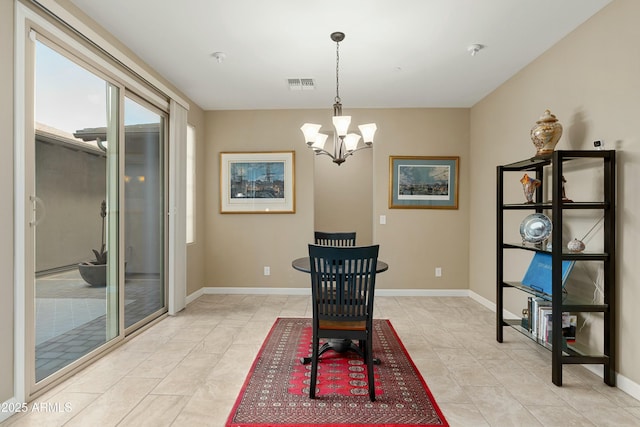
76, 207
144, 200
96, 181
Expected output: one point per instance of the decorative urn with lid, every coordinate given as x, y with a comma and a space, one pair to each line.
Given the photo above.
545, 134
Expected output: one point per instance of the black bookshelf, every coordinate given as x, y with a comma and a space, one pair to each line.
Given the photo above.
553, 167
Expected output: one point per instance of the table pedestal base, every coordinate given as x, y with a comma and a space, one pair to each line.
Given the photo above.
339, 346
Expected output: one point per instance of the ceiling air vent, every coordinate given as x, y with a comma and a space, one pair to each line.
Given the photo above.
301, 84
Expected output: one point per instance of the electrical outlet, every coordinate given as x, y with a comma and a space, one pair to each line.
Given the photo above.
438, 271
267, 270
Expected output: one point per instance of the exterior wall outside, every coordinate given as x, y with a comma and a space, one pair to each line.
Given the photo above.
590, 81
414, 241
71, 184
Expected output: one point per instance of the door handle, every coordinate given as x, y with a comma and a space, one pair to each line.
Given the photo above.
37, 201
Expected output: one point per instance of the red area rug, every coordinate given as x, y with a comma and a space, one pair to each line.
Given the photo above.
276, 391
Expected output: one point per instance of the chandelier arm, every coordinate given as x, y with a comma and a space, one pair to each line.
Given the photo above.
350, 153
322, 151
359, 148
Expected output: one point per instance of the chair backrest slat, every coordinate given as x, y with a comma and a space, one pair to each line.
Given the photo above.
343, 281
335, 239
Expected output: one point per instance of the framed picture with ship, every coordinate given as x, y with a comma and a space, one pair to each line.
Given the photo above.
257, 182
420, 182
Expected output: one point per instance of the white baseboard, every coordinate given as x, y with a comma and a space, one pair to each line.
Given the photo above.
491, 305
422, 292
256, 291
482, 300
623, 383
630, 387
307, 291
194, 296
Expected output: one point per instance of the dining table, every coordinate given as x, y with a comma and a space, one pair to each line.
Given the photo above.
338, 345
304, 264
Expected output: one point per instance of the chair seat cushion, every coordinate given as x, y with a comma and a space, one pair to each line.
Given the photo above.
352, 325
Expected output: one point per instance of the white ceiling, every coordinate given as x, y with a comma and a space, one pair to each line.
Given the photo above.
400, 53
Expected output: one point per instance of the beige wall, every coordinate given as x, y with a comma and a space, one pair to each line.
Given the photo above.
343, 195
6, 195
414, 241
590, 81
238, 246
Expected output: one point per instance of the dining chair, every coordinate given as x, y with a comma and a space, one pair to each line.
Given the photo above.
335, 239
340, 239
343, 281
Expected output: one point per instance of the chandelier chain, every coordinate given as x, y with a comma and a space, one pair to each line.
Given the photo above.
337, 72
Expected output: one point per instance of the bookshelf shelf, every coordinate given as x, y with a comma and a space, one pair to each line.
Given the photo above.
566, 255
549, 205
549, 171
573, 303
571, 353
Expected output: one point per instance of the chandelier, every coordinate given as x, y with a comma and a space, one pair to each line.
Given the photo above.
344, 143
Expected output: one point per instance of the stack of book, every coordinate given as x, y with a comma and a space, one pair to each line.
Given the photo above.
540, 324
538, 278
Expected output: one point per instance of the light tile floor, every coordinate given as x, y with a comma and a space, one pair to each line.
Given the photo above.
187, 370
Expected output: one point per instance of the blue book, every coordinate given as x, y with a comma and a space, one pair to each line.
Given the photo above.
538, 276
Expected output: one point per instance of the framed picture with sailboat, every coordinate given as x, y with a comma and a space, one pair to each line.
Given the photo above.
257, 182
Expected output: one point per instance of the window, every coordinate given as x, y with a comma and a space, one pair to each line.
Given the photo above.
191, 183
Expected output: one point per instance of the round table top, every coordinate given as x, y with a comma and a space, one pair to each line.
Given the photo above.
304, 265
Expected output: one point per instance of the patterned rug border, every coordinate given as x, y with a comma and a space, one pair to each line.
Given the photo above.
257, 359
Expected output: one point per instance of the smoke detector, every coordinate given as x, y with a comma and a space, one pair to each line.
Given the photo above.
475, 48
219, 56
